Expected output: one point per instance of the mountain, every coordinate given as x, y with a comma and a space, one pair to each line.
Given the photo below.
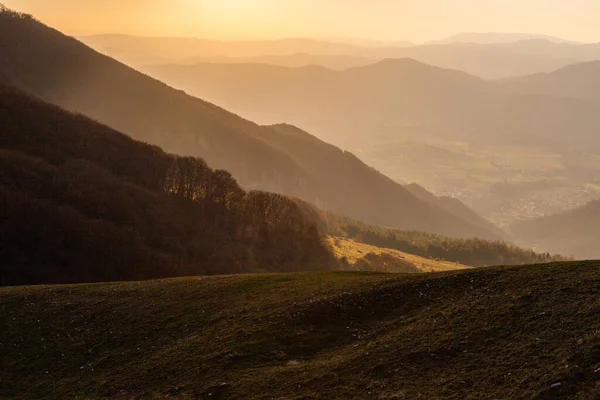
498, 333
573, 232
65, 72
139, 50
473, 252
84, 203
337, 62
336, 105
499, 60
521, 55
451, 132
579, 81
353, 179
392, 95
493, 37
371, 42
455, 207
355, 256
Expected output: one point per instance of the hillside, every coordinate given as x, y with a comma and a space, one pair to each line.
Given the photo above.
355, 256
338, 106
139, 50
452, 133
473, 252
63, 71
84, 203
575, 232
356, 181
456, 207
502, 333
399, 98
579, 81
337, 62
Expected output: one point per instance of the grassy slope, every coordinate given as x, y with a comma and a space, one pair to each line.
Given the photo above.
475, 334
355, 251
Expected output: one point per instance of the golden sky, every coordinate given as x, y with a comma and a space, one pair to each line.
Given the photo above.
417, 20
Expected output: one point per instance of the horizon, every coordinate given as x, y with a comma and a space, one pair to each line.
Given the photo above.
359, 41
265, 20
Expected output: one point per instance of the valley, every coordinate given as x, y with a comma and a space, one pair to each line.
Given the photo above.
290, 200
512, 149
506, 184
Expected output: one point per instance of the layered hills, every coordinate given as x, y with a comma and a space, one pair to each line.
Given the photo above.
487, 55
63, 71
399, 97
511, 149
575, 232
84, 203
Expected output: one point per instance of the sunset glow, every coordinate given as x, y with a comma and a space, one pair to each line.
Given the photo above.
379, 19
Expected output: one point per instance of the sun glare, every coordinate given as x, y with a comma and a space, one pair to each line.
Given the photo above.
225, 5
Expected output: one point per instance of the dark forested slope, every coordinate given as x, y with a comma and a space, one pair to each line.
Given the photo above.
82, 202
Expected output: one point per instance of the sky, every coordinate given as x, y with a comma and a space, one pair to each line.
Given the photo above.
414, 20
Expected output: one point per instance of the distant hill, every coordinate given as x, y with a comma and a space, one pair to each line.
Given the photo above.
579, 81
401, 96
496, 333
471, 252
362, 184
139, 50
480, 55
456, 207
63, 71
575, 232
337, 62
493, 37
84, 203
501, 60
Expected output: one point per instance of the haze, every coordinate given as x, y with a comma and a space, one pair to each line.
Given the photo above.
419, 21
234, 199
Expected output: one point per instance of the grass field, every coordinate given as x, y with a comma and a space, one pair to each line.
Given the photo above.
501, 333
397, 261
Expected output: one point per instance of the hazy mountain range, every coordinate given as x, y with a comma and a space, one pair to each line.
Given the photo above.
490, 56
496, 37
354, 107
63, 71
349, 107
573, 233
514, 149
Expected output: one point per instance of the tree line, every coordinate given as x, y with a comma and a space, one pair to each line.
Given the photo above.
84, 203
474, 252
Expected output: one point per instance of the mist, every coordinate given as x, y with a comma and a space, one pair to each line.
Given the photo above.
294, 199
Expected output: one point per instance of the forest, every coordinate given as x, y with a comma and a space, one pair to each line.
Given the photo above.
84, 203
474, 251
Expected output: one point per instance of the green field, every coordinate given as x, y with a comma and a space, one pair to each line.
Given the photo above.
499, 333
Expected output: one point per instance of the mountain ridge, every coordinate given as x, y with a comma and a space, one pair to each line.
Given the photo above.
574, 232
63, 71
